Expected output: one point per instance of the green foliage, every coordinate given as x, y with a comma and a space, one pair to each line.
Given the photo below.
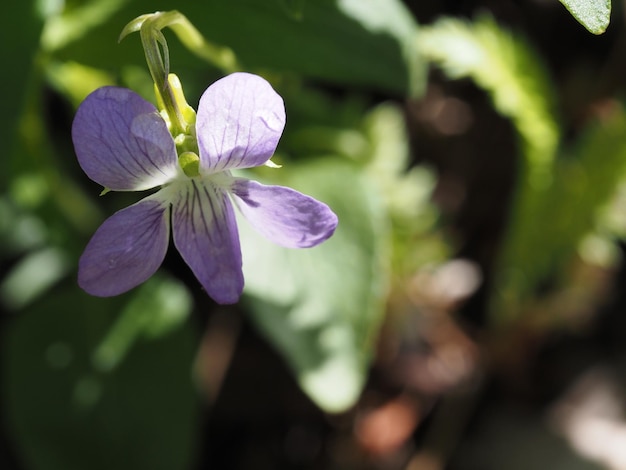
594, 172
24, 32
406, 192
594, 15
510, 71
106, 383
71, 401
331, 301
507, 68
377, 35
321, 307
558, 200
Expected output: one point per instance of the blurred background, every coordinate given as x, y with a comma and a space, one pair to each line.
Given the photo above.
468, 313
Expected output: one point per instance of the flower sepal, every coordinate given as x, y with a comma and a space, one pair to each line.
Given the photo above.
271, 164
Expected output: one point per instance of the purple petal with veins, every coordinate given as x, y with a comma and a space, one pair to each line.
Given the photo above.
283, 215
205, 234
126, 250
122, 142
239, 123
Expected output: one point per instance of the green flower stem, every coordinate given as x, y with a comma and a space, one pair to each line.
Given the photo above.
153, 40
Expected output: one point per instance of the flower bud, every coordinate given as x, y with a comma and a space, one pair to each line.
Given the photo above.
190, 164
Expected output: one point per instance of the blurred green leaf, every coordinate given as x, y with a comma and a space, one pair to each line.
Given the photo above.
20, 38
559, 201
594, 15
32, 276
43, 162
589, 184
66, 412
406, 191
368, 43
19, 231
76, 81
321, 307
507, 68
75, 23
157, 308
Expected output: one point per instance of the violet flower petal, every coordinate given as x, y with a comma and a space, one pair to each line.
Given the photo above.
205, 233
283, 215
126, 250
122, 142
239, 123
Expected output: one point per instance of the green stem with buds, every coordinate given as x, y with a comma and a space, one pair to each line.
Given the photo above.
157, 57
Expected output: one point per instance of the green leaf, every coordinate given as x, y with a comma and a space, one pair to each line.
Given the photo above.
73, 403
594, 15
321, 307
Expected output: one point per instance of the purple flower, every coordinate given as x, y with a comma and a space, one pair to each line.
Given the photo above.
124, 144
